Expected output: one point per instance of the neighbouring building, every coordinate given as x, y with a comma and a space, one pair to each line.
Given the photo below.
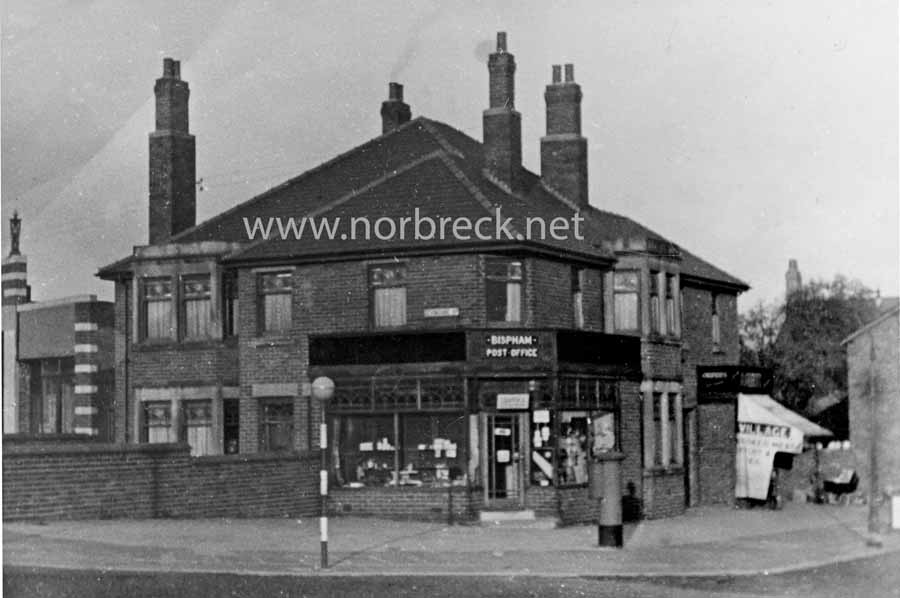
481, 371
57, 358
873, 383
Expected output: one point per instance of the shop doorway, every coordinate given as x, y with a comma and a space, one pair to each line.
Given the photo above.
505, 460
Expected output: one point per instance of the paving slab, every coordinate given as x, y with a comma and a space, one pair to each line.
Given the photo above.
709, 541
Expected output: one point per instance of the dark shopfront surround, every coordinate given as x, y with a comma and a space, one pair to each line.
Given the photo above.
505, 418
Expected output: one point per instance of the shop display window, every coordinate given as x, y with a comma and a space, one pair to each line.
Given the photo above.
582, 435
428, 451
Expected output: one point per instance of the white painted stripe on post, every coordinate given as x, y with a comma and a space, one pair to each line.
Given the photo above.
323, 529
85, 389
85, 348
323, 436
82, 410
15, 276
15, 292
88, 431
86, 368
85, 326
323, 482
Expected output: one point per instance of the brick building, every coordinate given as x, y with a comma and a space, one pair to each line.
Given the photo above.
473, 371
873, 383
57, 357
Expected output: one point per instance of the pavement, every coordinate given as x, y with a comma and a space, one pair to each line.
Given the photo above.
706, 541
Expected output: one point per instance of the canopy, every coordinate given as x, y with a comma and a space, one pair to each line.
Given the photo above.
766, 427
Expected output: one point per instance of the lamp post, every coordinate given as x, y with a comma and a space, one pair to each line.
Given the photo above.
323, 390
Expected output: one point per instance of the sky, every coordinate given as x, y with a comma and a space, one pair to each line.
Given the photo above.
746, 132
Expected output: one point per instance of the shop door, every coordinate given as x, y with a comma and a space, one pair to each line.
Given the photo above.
505, 460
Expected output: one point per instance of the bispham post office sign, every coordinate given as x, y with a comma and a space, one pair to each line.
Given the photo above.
503, 345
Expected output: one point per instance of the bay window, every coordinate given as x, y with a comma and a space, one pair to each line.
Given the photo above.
625, 300
156, 309
196, 317
503, 289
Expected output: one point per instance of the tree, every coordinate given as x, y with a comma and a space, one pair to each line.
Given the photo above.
801, 339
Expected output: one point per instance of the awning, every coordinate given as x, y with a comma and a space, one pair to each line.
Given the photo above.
763, 409
765, 427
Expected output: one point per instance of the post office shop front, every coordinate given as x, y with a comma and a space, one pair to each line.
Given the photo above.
447, 424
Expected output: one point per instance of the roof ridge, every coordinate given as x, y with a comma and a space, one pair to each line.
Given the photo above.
476, 193
303, 175
351, 194
442, 141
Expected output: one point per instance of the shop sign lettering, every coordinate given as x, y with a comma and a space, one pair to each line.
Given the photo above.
511, 346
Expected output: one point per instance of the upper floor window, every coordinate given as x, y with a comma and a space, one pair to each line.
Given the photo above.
671, 294
229, 304
503, 288
156, 309
274, 290
578, 296
196, 320
716, 331
625, 300
388, 285
654, 301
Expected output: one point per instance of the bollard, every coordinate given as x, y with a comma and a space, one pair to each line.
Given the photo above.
606, 485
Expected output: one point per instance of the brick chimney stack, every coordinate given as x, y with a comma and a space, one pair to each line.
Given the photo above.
502, 124
173, 192
563, 149
394, 111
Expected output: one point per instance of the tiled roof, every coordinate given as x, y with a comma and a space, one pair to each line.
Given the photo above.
428, 165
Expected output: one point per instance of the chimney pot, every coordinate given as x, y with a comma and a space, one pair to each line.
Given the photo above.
168, 68
395, 92
501, 41
570, 73
557, 73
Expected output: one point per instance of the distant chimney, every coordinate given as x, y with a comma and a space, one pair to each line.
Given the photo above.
792, 279
173, 192
563, 149
394, 111
502, 124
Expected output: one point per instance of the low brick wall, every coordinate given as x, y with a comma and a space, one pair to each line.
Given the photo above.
407, 502
576, 506
75, 479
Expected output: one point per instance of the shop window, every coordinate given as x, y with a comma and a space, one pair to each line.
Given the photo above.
157, 422
431, 450
276, 425
156, 309
716, 331
503, 288
364, 450
582, 435
196, 421
671, 312
399, 450
274, 301
388, 291
625, 300
231, 426
654, 301
196, 317
578, 296
230, 320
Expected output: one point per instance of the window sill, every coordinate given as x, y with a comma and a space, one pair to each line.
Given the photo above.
664, 470
185, 345
279, 340
663, 339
